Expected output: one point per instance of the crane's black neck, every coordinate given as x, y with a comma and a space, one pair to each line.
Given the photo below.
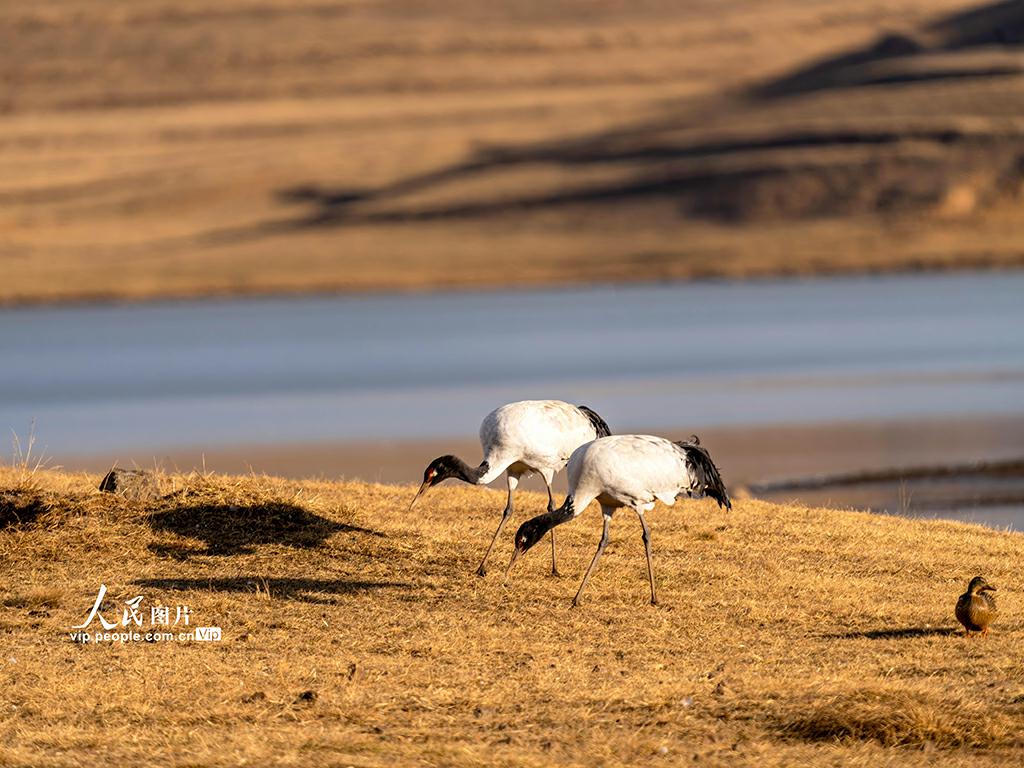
452, 466
534, 529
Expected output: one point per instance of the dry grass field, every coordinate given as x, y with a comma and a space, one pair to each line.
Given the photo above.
355, 633
174, 148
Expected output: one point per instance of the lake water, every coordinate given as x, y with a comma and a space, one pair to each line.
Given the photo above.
266, 371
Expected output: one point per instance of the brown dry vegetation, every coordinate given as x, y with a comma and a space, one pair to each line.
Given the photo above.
172, 148
357, 634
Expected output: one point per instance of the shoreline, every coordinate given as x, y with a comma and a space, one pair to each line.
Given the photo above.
748, 456
499, 283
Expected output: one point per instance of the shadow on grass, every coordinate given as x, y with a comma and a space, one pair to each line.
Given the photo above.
999, 24
896, 716
717, 193
655, 152
20, 508
232, 529
303, 590
898, 633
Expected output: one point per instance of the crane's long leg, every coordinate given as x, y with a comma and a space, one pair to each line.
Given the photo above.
647, 546
548, 477
606, 512
513, 481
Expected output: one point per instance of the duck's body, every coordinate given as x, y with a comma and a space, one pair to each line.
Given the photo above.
628, 471
976, 609
519, 439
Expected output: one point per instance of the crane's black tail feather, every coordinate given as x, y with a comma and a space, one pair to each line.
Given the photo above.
600, 425
703, 469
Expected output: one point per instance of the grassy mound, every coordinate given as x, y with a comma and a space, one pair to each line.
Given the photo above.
356, 633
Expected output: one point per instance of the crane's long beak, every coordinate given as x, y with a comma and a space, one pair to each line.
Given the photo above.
419, 495
508, 568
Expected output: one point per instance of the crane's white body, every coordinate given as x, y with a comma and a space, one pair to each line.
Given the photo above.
520, 439
630, 471
532, 436
633, 471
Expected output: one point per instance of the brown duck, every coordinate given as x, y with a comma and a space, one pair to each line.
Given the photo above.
976, 609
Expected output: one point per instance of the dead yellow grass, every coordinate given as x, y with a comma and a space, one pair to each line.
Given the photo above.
358, 634
897, 716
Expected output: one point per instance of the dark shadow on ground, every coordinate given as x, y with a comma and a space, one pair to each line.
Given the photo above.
668, 167
766, 188
992, 25
302, 590
229, 529
896, 633
20, 507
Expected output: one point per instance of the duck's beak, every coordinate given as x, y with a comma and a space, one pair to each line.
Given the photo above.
419, 495
989, 588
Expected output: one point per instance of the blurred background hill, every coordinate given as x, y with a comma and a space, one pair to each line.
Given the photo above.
260, 146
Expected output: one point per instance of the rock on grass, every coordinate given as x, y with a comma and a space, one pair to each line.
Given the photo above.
137, 484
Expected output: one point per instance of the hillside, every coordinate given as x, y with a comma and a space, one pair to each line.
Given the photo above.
175, 150
355, 633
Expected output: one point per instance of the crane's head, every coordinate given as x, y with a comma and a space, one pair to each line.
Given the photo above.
438, 470
531, 532
978, 584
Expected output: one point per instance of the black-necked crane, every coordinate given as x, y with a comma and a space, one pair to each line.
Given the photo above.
520, 439
627, 471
